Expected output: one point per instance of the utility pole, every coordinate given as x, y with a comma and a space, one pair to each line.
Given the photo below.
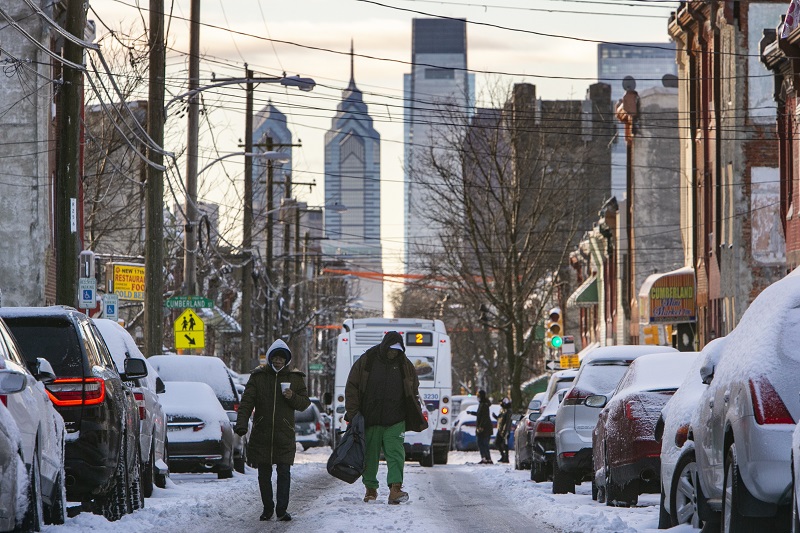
268, 332
68, 240
247, 229
287, 241
193, 127
154, 189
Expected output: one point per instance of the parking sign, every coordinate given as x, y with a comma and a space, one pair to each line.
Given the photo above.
110, 302
87, 288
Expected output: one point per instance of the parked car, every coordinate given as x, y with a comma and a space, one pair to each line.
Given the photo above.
522, 436
309, 428
796, 479
600, 372
40, 434
327, 421
102, 459
678, 463
543, 441
200, 432
626, 454
743, 425
213, 372
152, 421
14, 505
460, 402
464, 438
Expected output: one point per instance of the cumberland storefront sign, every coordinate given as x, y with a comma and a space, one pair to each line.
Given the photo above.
668, 298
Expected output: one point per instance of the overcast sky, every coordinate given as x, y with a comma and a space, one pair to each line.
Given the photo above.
501, 38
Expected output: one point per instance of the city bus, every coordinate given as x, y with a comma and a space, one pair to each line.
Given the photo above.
428, 348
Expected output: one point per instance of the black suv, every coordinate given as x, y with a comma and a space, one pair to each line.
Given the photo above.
102, 462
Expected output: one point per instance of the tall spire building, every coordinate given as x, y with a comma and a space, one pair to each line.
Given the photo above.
437, 85
352, 180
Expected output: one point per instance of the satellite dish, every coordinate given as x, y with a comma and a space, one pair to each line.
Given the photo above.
629, 83
670, 80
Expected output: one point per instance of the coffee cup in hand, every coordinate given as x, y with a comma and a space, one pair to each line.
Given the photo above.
285, 387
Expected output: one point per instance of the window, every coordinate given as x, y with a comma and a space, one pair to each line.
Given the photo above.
439, 74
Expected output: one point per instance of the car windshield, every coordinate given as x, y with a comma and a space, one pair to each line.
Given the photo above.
306, 416
602, 377
51, 338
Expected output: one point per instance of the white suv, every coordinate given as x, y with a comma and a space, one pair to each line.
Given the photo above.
600, 372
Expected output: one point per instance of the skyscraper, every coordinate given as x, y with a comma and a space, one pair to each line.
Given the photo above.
438, 80
352, 180
647, 64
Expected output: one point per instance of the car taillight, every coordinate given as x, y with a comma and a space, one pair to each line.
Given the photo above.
319, 428
425, 415
4, 399
682, 435
140, 402
544, 429
575, 396
236, 407
201, 425
630, 410
767, 404
66, 392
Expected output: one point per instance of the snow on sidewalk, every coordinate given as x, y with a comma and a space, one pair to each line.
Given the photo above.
199, 503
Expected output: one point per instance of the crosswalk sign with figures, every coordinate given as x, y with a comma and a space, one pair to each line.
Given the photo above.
190, 331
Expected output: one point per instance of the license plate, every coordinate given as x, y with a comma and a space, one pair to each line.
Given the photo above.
174, 428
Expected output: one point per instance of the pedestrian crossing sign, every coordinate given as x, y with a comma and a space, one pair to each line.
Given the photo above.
190, 331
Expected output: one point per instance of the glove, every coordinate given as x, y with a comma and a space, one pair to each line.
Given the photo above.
241, 431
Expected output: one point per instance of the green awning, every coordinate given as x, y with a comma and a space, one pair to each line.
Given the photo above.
585, 295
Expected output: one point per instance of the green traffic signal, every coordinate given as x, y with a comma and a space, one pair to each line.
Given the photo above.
556, 341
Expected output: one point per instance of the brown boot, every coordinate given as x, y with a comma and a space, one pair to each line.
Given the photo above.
396, 494
371, 495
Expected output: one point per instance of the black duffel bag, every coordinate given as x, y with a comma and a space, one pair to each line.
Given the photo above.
347, 460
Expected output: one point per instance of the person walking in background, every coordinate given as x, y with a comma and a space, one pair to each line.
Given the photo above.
383, 386
274, 391
483, 427
503, 429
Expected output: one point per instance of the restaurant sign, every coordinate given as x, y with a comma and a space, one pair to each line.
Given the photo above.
668, 298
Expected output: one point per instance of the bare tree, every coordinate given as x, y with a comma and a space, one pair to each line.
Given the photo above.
513, 185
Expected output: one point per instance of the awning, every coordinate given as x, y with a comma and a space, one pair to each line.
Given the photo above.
585, 295
219, 320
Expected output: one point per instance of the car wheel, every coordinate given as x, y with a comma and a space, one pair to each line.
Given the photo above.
426, 460
160, 480
795, 518
135, 492
305, 446
563, 482
34, 515
56, 513
114, 504
440, 456
594, 491
225, 473
149, 472
683, 498
238, 464
664, 520
732, 520
538, 472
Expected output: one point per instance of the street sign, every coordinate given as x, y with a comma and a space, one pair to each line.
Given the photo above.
551, 365
110, 306
184, 302
570, 361
87, 289
316, 368
568, 348
190, 331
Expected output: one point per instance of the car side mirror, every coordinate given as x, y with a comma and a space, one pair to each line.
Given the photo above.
706, 374
160, 387
533, 417
327, 398
596, 400
134, 369
12, 381
44, 371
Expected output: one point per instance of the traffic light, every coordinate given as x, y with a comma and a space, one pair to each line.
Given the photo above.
650, 334
554, 328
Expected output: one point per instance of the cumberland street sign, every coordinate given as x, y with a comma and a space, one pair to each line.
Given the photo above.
184, 302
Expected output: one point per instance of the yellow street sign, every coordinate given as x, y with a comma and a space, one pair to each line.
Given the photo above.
190, 331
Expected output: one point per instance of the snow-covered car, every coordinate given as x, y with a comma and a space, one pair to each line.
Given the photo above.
212, 371
600, 372
15, 512
102, 462
543, 440
745, 419
152, 421
309, 428
678, 464
41, 433
464, 438
626, 454
200, 433
522, 435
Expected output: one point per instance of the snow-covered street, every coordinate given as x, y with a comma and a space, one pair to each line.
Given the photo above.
460, 496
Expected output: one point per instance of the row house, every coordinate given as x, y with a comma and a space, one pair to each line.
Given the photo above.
729, 203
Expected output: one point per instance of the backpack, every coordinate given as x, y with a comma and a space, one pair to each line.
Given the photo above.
347, 460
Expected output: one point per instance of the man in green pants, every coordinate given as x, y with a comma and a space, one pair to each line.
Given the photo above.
384, 387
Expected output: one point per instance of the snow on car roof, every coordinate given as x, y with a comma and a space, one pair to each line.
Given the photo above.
611, 353
657, 372
53, 310
192, 398
120, 343
203, 368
